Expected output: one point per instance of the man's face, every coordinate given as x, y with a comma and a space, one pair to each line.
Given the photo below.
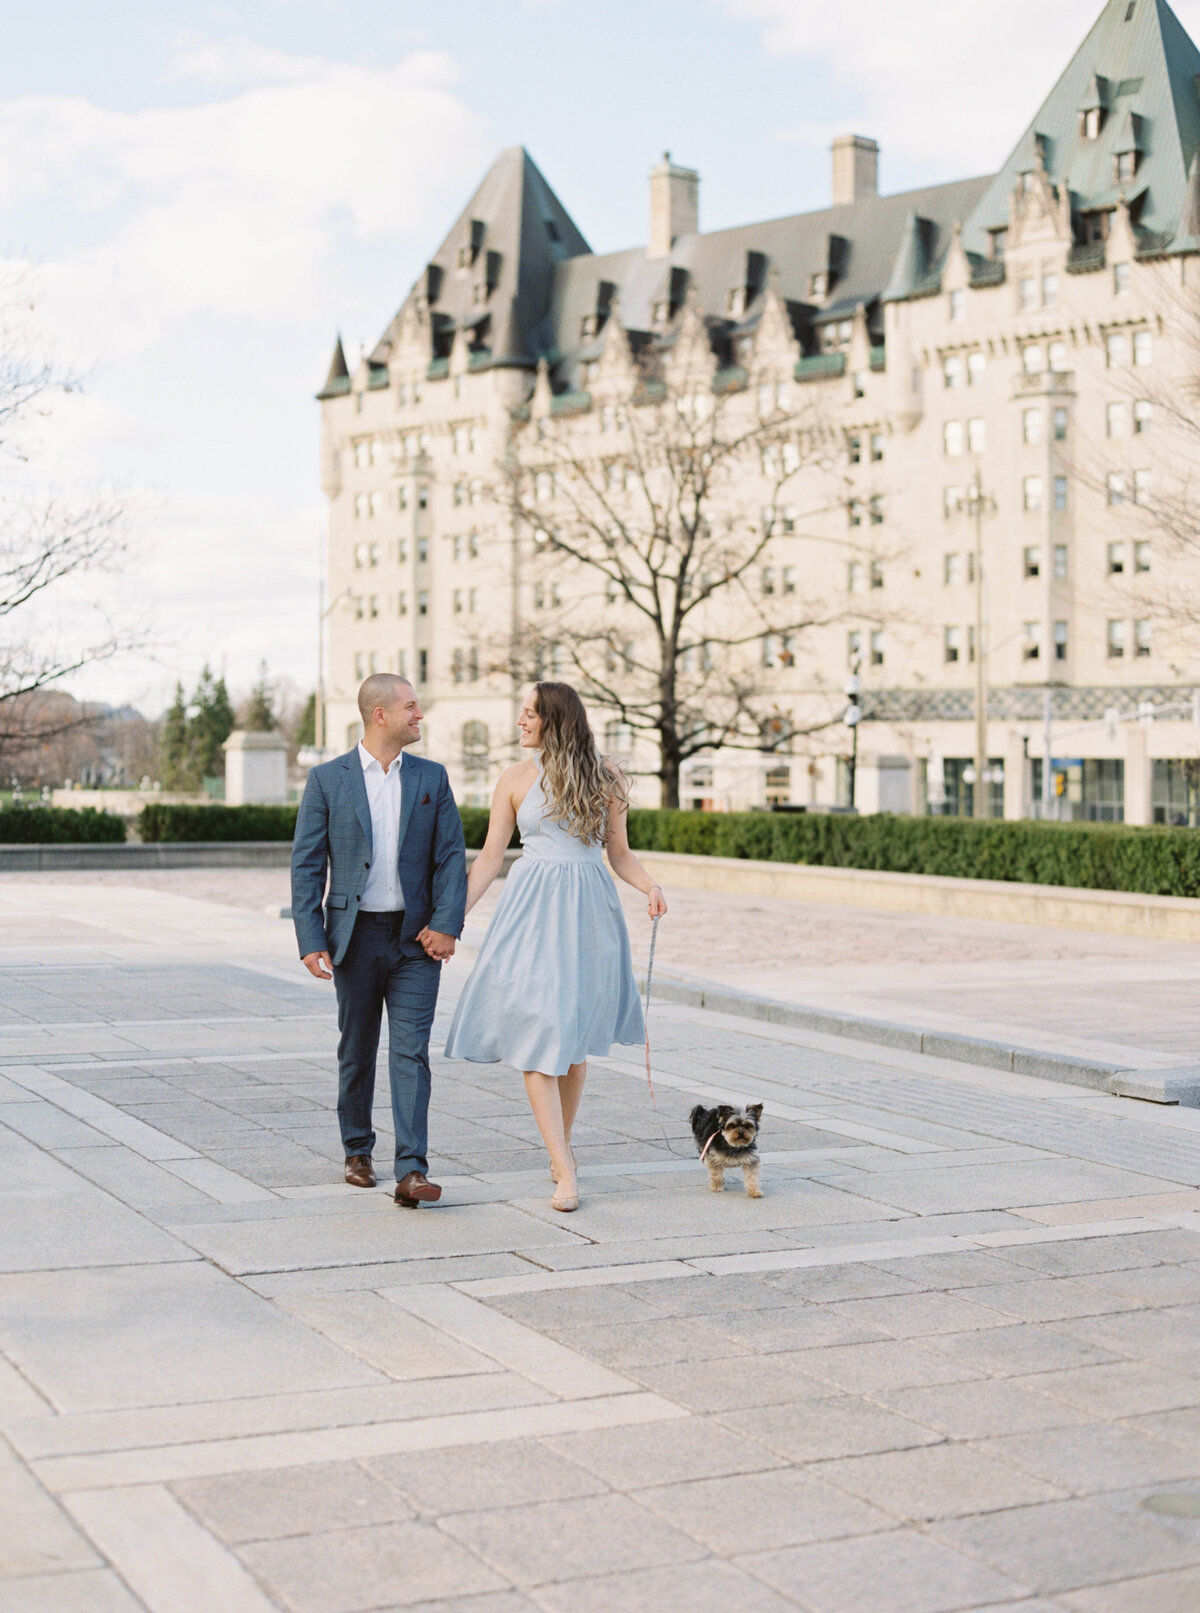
400, 724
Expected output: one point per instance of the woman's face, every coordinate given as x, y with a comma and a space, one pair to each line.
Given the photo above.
529, 724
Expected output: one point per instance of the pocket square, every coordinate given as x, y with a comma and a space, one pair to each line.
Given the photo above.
425, 799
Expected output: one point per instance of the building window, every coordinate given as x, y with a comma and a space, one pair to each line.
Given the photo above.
859, 381
422, 549
788, 580
952, 644
876, 510
953, 371
362, 506
1027, 293
1116, 417
1060, 492
976, 436
1116, 640
375, 661
1141, 486
1060, 561
1116, 349
360, 556
1141, 638
953, 500
376, 504
856, 577
976, 364
1125, 166
876, 574
876, 446
373, 606
1143, 347
401, 604
1092, 120
1033, 561
1115, 559
422, 666
1056, 355
1143, 415
853, 648
1060, 425
953, 438
423, 602
360, 665
877, 647
958, 304
854, 449
1115, 485
458, 601
1033, 358
1032, 492
1121, 278
1060, 641
1031, 641
952, 569
422, 498
768, 580
854, 511
1141, 555
1031, 426
1049, 291
998, 240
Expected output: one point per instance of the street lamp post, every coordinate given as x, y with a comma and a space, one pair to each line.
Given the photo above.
978, 501
852, 719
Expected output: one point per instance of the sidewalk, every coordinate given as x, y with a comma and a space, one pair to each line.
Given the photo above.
946, 1363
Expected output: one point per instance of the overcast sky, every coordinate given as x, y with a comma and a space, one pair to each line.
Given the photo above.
207, 192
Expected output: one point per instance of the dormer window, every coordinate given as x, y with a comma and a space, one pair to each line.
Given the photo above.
661, 314
818, 284
998, 240
1091, 122
1026, 182
1126, 166
735, 301
589, 325
1094, 226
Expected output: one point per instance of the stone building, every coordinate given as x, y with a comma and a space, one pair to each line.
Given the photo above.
1004, 367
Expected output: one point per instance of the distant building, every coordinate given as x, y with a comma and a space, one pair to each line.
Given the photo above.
1008, 333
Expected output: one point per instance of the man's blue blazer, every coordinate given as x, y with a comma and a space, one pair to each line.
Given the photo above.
333, 836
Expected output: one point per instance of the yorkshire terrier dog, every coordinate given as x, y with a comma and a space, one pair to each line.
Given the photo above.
727, 1140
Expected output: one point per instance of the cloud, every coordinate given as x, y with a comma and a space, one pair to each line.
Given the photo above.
946, 86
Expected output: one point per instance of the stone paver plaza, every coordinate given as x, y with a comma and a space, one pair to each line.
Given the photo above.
947, 1362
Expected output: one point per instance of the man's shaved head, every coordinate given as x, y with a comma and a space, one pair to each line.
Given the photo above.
381, 689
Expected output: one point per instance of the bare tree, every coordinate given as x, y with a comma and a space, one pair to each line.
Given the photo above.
656, 581
48, 543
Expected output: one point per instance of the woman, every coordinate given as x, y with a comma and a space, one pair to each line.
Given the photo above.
554, 979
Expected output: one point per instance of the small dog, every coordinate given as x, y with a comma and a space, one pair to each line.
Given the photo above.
726, 1138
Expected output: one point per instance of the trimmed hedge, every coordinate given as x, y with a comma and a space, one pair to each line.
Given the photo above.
165, 822
162, 821
59, 826
1116, 857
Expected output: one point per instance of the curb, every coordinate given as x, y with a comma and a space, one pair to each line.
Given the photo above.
46, 858
1174, 1085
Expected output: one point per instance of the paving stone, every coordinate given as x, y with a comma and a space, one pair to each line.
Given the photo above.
1101, 1457
966, 1270
576, 1307
890, 1365
910, 1316
95, 1591
824, 1285
1066, 1544
1177, 1592
1007, 1352
469, 1480
292, 1501
940, 1481
1119, 1389
730, 1382
977, 1410
1152, 1334
563, 1540
634, 1344
369, 1327
663, 1453
799, 1326
706, 1587
1048, 1299
1182, 1427
914, 1574
816, 1430
36, 1536
342, 1571
706, 1296
1150, 1285
489, 1602
1076, 1257
762, 1511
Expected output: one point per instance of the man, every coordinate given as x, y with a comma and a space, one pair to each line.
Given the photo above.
386, 828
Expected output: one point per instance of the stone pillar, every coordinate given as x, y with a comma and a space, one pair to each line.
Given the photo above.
1138, 773
255, 769
1016, 774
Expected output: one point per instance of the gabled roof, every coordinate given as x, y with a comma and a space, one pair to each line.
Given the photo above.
338, 379
514, 230
1137, 63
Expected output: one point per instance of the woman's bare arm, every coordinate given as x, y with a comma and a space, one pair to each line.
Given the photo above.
500, 827
622, 860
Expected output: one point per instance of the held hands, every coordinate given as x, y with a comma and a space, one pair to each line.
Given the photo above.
318, 964
656, 902
438, 946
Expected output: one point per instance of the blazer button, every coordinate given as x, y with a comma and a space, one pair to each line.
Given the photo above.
366, 865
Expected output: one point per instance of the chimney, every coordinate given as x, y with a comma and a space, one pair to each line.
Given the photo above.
855, 169
674, 205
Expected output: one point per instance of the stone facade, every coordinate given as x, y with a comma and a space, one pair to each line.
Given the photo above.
992, 363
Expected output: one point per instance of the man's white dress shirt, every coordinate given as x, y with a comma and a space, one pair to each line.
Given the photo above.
382, 892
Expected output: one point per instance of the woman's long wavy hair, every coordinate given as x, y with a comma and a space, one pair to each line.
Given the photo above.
580, 784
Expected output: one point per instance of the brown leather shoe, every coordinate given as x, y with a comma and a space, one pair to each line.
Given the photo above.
359, 1170
416, 1189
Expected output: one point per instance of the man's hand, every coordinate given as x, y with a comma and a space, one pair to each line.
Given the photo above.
438, 946
318, 964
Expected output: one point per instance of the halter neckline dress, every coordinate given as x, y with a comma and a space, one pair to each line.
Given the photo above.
553, 983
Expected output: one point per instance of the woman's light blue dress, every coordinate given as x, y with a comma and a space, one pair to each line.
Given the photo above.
553, 983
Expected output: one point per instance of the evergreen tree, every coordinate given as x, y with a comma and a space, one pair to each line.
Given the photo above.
259, 717
211, 726
174, 746
306, 724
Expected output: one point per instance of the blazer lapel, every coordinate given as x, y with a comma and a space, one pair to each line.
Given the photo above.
410, 786
357, 786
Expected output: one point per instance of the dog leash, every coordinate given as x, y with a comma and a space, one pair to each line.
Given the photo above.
646, 1022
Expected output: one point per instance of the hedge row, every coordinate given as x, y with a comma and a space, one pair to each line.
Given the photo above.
161, 821
1118, 857
43, 825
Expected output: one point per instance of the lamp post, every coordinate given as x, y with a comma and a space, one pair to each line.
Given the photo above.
979, 501
852, 718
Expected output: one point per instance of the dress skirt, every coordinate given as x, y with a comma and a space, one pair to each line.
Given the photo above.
553, 983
